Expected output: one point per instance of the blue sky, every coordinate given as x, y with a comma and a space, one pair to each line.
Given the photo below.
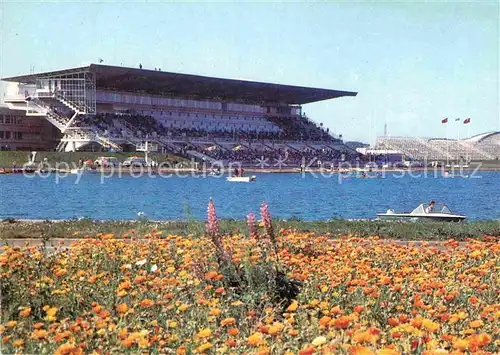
412, 63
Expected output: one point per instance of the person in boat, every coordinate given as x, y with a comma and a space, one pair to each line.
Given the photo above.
363, 174
236, 172
430, 208
241, 172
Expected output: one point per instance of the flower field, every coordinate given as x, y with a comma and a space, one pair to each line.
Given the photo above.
257, 292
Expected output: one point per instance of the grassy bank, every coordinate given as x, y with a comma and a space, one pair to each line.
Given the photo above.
7, 158
334, 228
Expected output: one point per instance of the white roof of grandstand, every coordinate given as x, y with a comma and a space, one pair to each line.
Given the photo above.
191, 86
476, 138
480, 137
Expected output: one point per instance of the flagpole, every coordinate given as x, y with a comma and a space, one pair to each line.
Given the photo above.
447, 146
468, 136
458, 141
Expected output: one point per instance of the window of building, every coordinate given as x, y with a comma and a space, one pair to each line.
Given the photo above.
7, 135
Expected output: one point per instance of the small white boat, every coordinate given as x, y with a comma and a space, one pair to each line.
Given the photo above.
241, 178
440, 212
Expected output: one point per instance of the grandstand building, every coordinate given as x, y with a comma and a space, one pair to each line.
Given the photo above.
118, 108
485, 146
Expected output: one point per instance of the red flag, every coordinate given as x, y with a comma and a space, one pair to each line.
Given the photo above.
444, 120
467, 120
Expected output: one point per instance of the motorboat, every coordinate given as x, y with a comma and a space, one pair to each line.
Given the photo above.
241, 178
447, 175
440, 212
363, 176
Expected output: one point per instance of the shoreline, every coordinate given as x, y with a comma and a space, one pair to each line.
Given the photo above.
335, 228
13, 220
22, 171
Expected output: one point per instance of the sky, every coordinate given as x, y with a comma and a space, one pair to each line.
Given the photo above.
412, 63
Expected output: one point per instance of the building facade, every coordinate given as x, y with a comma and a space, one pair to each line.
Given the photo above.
21, 132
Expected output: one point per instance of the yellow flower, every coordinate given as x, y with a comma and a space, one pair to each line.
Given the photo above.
461, 344
476, 324
388, 351
293, 307
204, 333
430, 325
318, 341
204, 347
51, 314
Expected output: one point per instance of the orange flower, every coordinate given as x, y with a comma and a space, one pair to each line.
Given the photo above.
365, 337
215, 312
393, 322
255, 339
68, 349
473, 300
39, 334
233, 331
122, 308
228, 321
323, 322
307, 351
25, 312
342, 322
359, 309
275, 328
128, 342
477, 341
19, 343
146, 303
360, 350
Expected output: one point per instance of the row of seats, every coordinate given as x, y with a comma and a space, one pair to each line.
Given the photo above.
436, 149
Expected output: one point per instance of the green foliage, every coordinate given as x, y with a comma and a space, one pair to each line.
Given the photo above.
431, 231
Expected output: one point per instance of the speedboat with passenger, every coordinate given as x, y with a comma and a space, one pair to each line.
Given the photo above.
440, 212
241, 178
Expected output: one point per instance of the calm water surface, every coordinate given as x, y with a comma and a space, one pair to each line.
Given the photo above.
288, 195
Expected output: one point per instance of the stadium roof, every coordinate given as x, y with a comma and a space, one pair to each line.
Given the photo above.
483, 136
192, 86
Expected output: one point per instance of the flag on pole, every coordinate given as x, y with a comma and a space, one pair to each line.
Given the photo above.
445, 120
467, 121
